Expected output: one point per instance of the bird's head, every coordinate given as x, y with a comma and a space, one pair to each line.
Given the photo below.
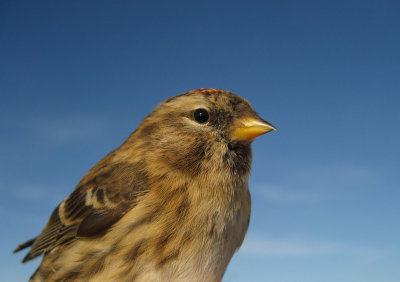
203, 130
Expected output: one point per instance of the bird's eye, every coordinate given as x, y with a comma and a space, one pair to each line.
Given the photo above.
201, 115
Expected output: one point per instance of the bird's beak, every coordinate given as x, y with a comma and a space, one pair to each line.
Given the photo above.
249, 128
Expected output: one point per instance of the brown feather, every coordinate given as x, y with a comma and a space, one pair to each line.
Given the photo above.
170, 204
78, 217
97, 223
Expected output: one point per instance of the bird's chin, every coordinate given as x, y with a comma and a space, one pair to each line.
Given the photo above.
238, 157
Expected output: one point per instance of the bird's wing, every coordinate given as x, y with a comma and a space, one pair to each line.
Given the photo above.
96, 204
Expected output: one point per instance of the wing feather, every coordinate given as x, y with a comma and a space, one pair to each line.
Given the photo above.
95, 205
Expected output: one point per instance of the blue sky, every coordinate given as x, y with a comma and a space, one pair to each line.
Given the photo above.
77, 78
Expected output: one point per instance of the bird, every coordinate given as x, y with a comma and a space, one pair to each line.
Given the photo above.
172, 203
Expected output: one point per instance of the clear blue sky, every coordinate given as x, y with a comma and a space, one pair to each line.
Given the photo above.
77, 78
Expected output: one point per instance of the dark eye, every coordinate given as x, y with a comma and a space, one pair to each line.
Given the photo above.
201, 115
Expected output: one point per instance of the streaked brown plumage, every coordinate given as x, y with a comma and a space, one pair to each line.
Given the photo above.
170, 204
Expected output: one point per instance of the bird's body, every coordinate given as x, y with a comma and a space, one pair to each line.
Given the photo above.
170, 204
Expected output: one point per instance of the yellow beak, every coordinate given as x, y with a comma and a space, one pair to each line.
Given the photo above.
250, 128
